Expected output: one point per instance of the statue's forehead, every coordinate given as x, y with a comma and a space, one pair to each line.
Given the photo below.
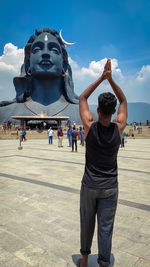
46, 37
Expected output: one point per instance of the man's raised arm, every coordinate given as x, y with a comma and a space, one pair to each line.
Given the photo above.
122, 114
86, 116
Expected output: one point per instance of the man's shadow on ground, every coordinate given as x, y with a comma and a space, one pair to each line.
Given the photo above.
92, 262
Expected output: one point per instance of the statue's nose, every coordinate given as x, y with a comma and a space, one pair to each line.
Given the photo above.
46, 55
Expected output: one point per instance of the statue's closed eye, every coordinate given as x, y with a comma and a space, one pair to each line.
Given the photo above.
54, 47
36, 49
55, 50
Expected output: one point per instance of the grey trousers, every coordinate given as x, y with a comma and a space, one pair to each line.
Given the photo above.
102, 202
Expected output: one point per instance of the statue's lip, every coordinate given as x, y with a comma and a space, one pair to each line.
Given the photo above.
46, 62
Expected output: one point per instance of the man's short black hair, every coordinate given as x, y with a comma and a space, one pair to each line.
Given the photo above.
107, 103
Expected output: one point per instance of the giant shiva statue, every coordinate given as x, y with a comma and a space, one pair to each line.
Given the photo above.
45, 83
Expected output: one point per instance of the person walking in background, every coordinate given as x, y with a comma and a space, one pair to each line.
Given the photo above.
69, 131
99, 189
44, 125
80, 135
134, 125
74, 135
50, 135
123, 138
4, 127
24, 135
60, 136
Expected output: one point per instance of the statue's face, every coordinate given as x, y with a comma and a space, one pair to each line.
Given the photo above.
46, 56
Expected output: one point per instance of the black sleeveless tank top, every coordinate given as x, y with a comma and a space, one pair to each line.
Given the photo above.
102, 145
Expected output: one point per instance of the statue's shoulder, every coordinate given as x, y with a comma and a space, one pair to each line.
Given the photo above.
7, 102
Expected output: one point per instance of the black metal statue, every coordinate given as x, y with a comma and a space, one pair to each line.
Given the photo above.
45, 83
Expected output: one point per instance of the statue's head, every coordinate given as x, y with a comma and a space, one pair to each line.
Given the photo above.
45, 57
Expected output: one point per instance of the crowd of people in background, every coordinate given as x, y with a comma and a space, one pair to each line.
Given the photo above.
73, 134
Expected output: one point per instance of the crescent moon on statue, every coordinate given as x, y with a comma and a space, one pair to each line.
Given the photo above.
66, 43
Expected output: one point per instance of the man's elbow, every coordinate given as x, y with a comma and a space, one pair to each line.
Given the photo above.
123, 102
81, 98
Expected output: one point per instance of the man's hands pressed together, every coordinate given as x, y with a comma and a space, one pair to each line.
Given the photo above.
107, 73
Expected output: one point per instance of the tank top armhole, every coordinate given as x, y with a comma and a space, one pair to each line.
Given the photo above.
90, 130
118, 130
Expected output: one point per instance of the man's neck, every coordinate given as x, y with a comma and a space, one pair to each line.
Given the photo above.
104, 120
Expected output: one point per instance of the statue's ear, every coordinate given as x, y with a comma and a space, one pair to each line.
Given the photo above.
69, 86
22, 88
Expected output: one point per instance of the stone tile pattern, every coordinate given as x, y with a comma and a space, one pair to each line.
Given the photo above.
39, 205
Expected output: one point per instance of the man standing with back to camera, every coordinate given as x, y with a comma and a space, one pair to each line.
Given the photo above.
99, 189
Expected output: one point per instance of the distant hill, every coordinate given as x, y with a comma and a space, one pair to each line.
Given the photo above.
139, 112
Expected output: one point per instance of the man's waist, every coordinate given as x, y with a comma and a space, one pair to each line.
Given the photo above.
100, 181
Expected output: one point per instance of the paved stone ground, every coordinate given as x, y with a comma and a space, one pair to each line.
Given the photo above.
39, 205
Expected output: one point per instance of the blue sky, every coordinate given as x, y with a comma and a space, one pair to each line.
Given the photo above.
101, 29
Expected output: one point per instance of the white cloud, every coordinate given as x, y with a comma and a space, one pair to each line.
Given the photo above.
144, 74
6, 67
10, 64
12, 58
